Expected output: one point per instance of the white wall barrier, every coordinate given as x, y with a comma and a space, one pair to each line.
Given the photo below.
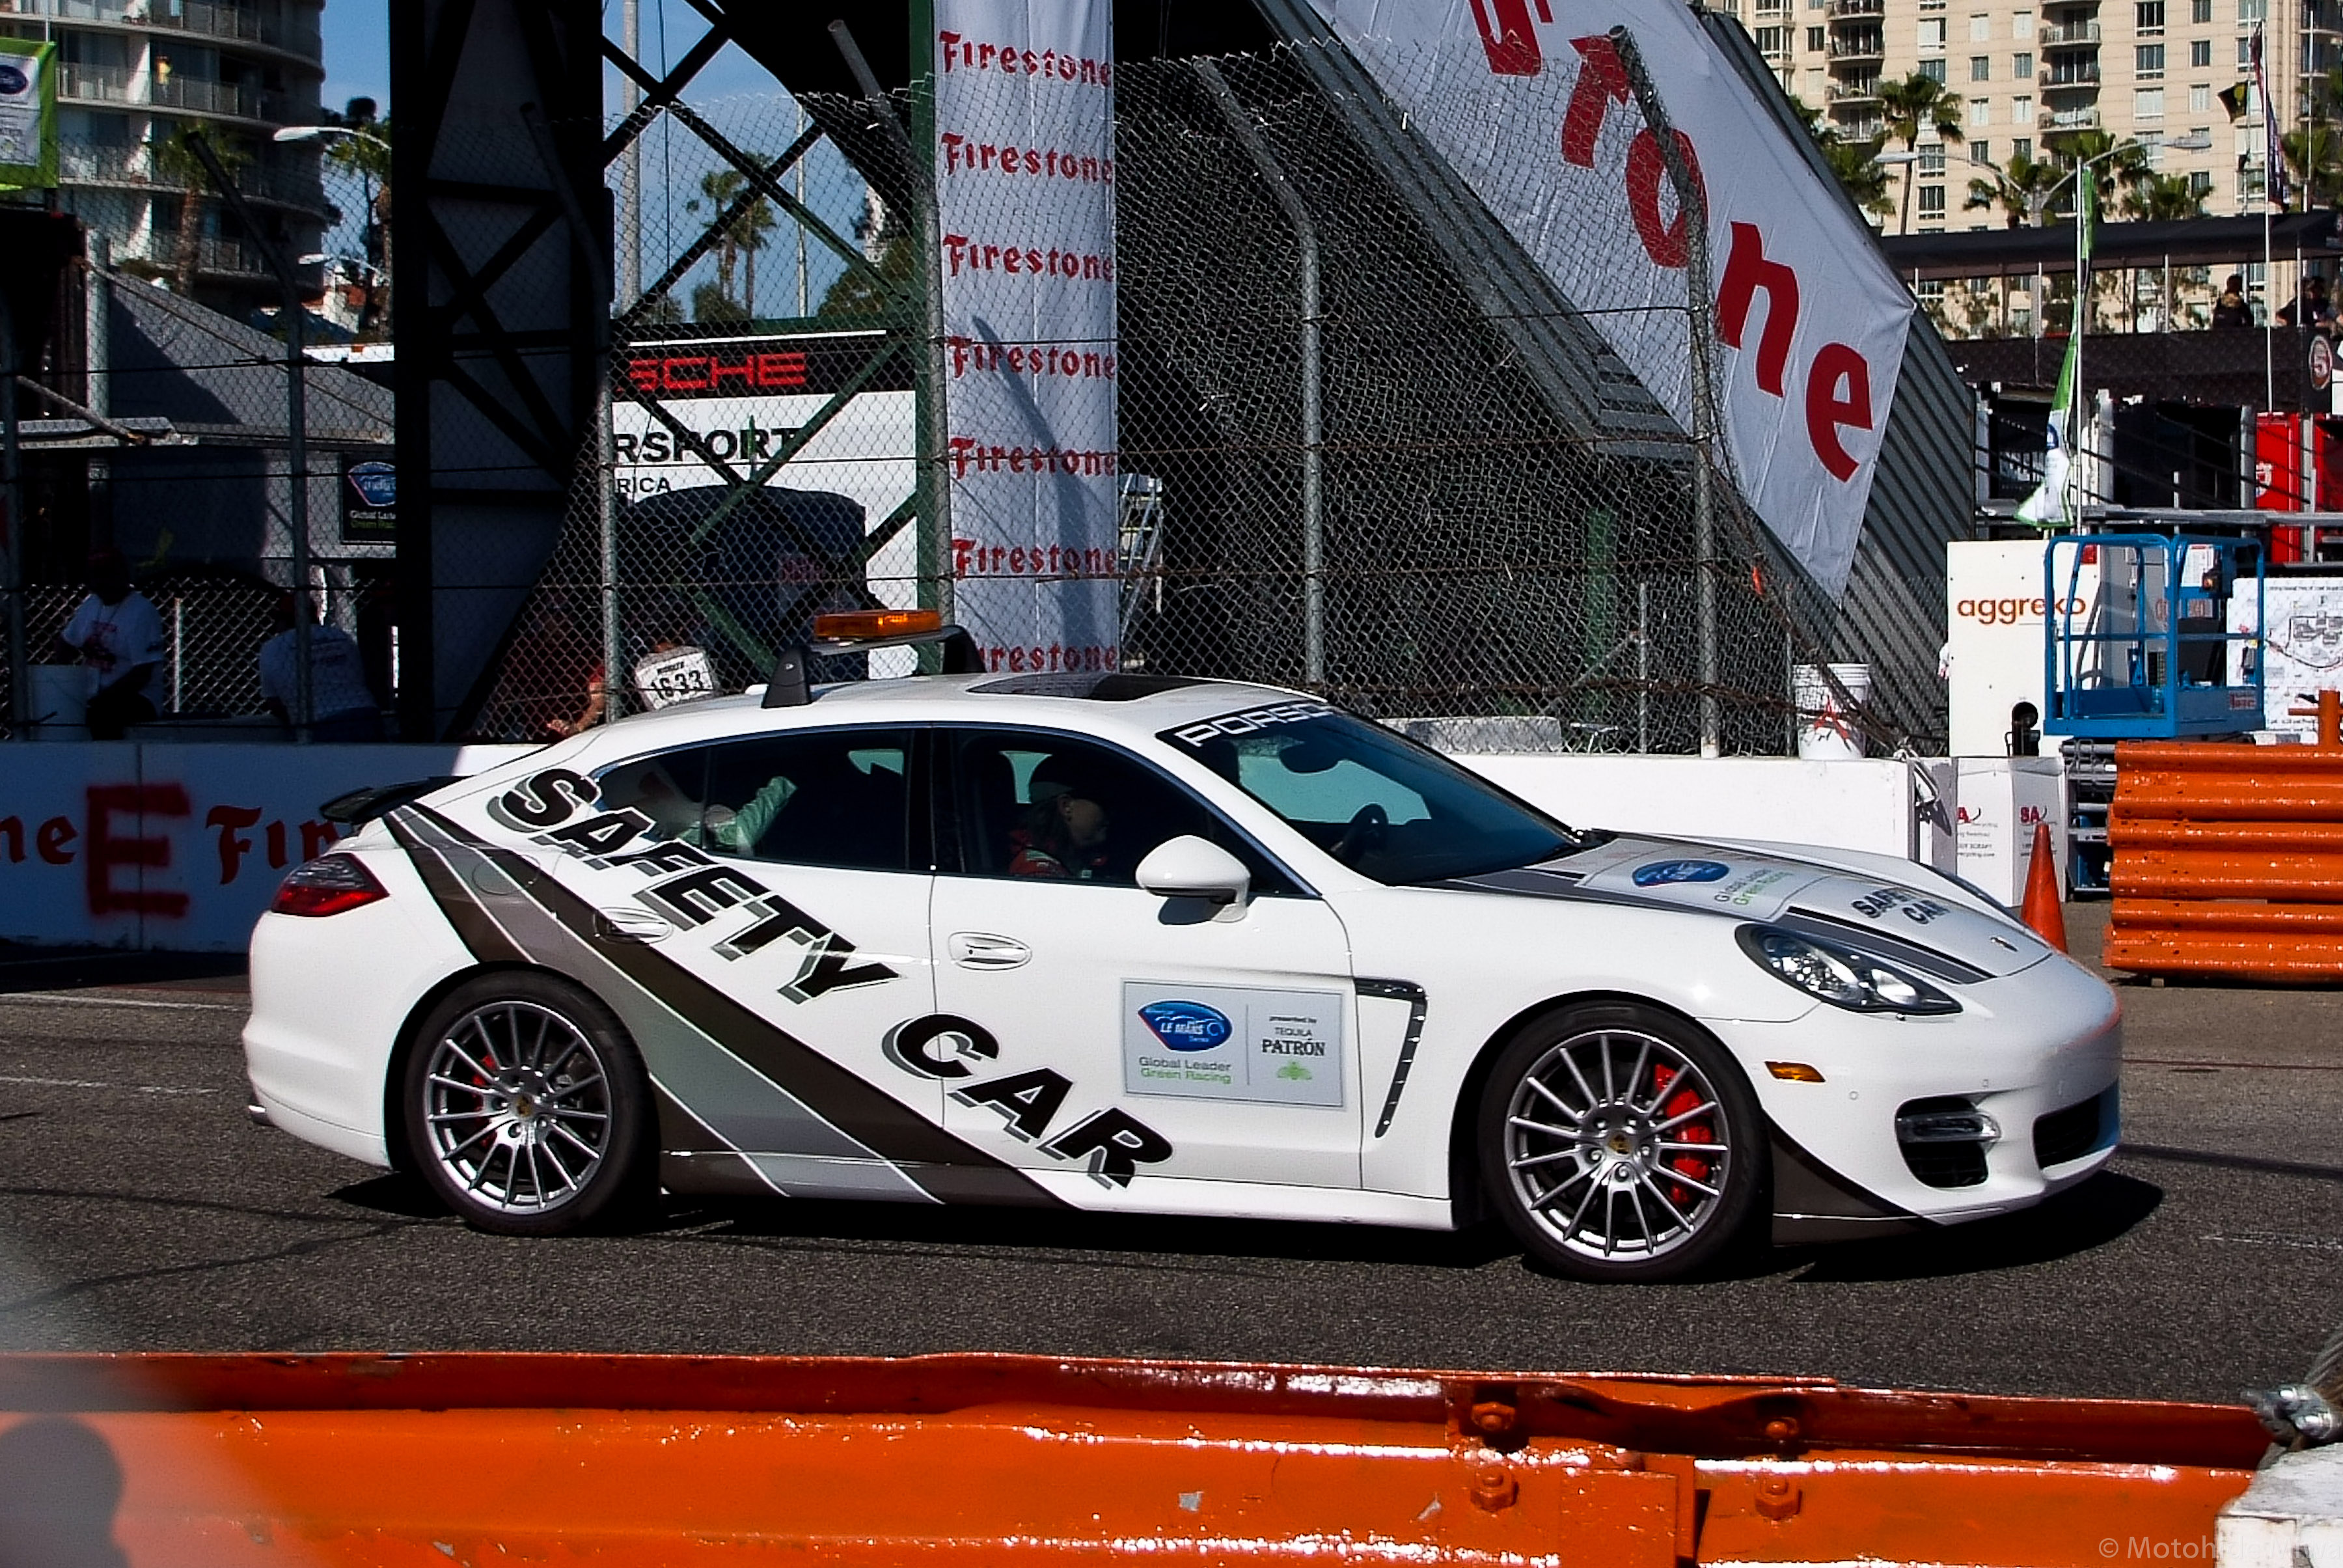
1865, 803
175, 847
180, 848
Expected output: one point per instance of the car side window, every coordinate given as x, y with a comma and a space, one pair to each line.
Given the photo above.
823, 797
1031, 804
668, 788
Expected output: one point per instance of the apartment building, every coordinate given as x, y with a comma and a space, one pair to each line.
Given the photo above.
2153, 70
131, 73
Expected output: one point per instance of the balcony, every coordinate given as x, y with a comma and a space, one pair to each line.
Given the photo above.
201, 17
212, 97
1859, 46
79, 162
1858, 10
2085, 119
2072, 35
2070, 79
1861, 90
94, 84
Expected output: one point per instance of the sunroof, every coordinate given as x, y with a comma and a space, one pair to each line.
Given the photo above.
1115, 687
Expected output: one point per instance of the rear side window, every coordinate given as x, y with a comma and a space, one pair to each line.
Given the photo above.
831, 798
826, 797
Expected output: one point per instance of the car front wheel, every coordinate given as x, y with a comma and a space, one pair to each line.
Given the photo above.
1621, 1142
526, 1107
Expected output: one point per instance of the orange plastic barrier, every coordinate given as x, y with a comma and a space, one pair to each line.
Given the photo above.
475, 1459
2229, 860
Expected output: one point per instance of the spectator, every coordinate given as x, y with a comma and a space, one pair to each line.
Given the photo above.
2232, 310
598, 697
2313, 310
342, 706
119, 634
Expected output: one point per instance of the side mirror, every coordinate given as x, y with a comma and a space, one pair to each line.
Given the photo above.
1192, 867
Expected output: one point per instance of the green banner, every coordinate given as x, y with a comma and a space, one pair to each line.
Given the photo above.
29, 113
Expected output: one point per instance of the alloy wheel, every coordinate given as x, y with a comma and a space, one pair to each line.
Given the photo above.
1617, 1145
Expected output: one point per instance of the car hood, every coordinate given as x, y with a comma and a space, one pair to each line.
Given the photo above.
1939, 934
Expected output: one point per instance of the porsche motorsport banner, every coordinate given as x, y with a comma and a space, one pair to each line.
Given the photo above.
1024, 161
1527, 101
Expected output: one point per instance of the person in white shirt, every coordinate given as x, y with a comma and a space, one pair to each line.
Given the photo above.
119, 634
345, 708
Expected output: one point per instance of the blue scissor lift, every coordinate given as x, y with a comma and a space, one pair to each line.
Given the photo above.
2139, 648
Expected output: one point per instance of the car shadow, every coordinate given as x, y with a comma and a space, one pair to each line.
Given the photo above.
2102, 1210
393, 1192
1053, 1230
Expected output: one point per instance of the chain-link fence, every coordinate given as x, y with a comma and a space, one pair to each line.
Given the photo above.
1471, 517
159, 425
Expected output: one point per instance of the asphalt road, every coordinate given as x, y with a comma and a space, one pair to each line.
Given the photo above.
140, 1210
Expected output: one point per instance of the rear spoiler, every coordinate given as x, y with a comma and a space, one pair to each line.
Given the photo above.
361, 805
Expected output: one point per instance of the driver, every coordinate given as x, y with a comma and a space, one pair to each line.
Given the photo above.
1062, 835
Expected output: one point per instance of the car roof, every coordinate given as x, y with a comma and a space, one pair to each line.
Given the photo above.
1129, 707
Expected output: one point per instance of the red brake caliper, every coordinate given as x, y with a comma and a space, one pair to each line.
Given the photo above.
1677, 1104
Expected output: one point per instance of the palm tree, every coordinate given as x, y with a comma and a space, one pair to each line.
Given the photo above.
1907, 107
176, 164
2314, 155
1855, 163
2023, 193
367, 154
746, 233
2161, 198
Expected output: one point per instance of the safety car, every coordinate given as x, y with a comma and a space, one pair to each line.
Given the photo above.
1134, 943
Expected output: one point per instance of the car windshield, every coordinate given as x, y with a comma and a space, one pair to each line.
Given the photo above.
1378, 802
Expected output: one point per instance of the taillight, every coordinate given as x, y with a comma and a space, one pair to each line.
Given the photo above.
326, 886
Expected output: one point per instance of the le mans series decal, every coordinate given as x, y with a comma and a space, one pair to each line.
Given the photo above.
1228, 1042
1660, 873
1114, 1144
689, 889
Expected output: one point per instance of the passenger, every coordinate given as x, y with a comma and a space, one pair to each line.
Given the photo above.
1064, 831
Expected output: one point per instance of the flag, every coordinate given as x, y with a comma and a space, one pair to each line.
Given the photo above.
2273, 155
2047, 507
2087, 217
2236, 98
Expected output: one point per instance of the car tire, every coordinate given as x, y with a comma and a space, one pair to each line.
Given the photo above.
1620, 1143
526, 1107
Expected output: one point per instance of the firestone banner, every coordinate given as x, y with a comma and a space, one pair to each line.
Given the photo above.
1024, 160
1528, 102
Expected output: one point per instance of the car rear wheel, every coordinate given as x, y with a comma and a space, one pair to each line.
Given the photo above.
526, 1107
1621, 1142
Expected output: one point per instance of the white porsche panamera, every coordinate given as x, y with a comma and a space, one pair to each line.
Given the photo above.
1140, 944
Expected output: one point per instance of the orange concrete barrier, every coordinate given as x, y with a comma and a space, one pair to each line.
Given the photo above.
2228, 861
476, 1459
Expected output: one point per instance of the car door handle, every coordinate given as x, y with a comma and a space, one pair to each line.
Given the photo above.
977, 950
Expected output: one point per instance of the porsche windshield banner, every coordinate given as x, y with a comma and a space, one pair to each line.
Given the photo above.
1528, 103
1024, 161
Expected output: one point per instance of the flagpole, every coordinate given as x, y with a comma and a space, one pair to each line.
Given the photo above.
2269, 315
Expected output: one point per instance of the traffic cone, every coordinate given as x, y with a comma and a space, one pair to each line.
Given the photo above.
2043, 912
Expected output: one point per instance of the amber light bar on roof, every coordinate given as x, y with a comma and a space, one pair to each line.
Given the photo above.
856, 625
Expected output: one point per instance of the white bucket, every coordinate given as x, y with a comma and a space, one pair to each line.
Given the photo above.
1826, 731
59, 699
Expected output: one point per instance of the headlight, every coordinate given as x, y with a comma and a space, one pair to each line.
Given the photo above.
1841, 976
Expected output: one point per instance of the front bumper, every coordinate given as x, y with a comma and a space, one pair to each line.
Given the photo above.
2025, 1047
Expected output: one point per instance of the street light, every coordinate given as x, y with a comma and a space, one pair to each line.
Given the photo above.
320, 257
319, 133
